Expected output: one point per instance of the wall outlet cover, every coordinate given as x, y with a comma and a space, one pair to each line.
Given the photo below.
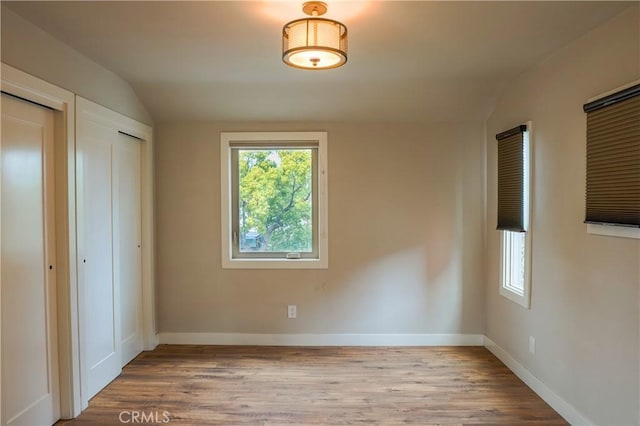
292, 311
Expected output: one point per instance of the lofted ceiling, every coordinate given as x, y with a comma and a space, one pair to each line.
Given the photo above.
408, 61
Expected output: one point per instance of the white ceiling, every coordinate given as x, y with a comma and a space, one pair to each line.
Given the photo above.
408, 61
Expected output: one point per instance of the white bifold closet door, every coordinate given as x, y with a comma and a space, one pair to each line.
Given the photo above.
30, 393
109, 226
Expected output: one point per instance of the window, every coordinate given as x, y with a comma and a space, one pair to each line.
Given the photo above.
613, 163
274, 200
514, 209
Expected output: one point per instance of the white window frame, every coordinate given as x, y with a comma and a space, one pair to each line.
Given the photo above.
521, 297
227, 139
611, 230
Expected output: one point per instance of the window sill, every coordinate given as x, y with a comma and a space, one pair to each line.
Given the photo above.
520, 299
613, 231
274, 264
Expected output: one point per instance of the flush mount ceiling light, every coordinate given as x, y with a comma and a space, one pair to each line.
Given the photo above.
314, 43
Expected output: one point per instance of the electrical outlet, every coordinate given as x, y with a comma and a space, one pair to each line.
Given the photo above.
292, 311
532, 344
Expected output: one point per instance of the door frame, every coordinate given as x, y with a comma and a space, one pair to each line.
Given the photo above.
63, 102
20, 84
144, 133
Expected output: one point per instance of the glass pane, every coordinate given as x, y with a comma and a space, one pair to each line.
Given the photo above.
275, 200
513, 262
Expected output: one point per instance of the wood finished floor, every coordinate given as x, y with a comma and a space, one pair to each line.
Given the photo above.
247, 385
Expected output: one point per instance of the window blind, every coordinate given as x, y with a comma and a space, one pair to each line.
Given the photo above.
613, 159
511, 179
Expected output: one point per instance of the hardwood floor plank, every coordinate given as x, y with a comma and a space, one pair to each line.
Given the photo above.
258, 385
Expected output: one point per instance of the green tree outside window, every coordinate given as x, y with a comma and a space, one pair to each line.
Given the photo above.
275, 200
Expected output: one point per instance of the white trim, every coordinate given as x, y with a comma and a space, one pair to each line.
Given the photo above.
566, 410
26, 86
31, 88
613, 231
0, 284
321, 339
228, 262
611, 92
273, 263
117, 120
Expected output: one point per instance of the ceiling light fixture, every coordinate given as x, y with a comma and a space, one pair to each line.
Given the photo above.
314, 43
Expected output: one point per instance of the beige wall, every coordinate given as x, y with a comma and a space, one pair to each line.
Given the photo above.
405, 236
584, 305
30, 49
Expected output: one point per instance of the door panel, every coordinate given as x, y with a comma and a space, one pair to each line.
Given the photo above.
30, 393
109, 236
98, 292
129, 260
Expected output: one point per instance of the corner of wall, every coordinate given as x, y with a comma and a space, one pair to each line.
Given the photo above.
29, 48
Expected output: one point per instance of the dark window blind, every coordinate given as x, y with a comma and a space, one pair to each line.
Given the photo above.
613, 159
511, 179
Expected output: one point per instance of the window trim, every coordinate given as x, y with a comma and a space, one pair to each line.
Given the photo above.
227, 139
524, 298
611, 230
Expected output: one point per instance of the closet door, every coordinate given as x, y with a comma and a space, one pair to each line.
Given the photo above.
128, 237
109, 239
30, 394
98, 291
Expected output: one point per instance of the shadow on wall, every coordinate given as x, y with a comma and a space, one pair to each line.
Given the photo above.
403, 296
397, 248
414, 287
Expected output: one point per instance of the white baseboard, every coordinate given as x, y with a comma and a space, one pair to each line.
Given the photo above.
565, 409
322, 339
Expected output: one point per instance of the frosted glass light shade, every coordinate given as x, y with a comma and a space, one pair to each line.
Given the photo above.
314, 43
